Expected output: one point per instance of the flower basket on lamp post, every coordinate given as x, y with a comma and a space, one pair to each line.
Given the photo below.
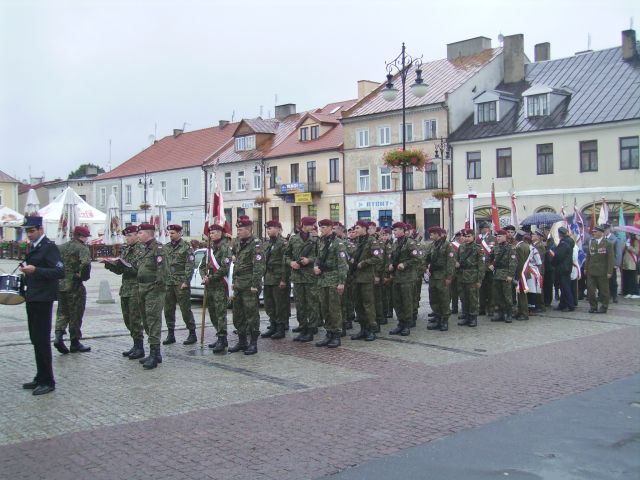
442, 194
145, 206
262, 200
405, 158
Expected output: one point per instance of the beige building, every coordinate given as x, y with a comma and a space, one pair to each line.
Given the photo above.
9, 199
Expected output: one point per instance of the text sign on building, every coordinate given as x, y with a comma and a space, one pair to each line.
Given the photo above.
304, 197
292, 188
247, 205
364, 204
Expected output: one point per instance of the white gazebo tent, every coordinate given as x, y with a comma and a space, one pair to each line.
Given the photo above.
86, 215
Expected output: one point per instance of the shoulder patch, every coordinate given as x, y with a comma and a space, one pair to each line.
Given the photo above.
343, 255
227, 260
159, 246
159, 259
191, 257
376, 252
60, 264
513, 256
258, 257
451, 254
414, 252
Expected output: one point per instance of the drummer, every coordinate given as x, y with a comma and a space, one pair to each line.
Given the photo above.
43, 268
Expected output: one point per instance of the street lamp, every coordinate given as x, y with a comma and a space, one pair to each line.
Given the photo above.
443, 153
145, 185
262, 168
402, 65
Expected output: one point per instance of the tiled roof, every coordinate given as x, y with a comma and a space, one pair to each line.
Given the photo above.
603, 88
442, 76
189, 149
5, 178
25, 187
259, 125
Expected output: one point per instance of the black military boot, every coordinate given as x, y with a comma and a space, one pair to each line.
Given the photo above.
59, 343
383, 321
406, 331
171, 338
241, 346
348, 324
335, 341
361, 334
498, 317
191, 339
305, 336
157, 356
138, 349
507, 318
463, 319
414, 320
343, 333
76, 346
432, 314
279, 332
253, 345
397, 330
370, 336
325, 341
376, 329
152, 360
444, 324
297, 329
271, 329
472, 321
433, 323
130, 351
220, 345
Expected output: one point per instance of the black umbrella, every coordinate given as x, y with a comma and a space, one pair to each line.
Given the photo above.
541, 218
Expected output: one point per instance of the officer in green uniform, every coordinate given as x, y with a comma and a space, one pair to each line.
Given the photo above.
213, 271
129, 290
300, 255
72, 295
276, 282
522, 250
248, 271
364, 264
599, 267
152, 271
403, 262
502, 262
348, 309
486, 240
387, 287
441, 263
374, 231
331, 271
180, 258
471, 268
455, 286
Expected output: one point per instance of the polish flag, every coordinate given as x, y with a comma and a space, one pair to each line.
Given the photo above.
470, 219
514, 210
604, 213
215, 214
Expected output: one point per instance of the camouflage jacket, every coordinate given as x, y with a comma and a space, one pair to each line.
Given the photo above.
77, 264
441, 261
332, 261
276, 270
222, 253
504, 261
297, 248
522, 250
366, 259
152, 264
249, 266
129, 254
179, 262
404, 250
470, 257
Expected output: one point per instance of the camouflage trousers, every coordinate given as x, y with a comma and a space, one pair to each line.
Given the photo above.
387, 304
502, 296
347, 302
70, 311
455, 292
486, 293
276, 304
379, 302
150, 302
306, 298
439, 297
363, 298
178, 296
217, 301
404, 308
469, 298
417, 293
131, 315
246, 317
331, 305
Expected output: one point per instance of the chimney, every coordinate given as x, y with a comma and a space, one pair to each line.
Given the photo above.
91, 171
513, 58
222, 124
542, 52
177, 132
629, 51
283, 111
365, 87
464, 48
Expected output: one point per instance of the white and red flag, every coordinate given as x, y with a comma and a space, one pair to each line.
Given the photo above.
603, 217
215, 212
495, 218
514, 209
470, 219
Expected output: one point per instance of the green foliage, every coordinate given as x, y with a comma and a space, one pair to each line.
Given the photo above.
81, 171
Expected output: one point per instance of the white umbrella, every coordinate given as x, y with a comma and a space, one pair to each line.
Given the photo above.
112, 235
9, 217
160, 218
33, 204
69, 216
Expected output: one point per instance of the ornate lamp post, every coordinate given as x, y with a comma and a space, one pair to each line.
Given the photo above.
262, 168
402, 65
443, 153
145, 184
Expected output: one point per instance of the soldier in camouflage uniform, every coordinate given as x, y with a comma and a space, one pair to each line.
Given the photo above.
387, 246
129, 290
331, 270
276, 282
72, 295
300, 255
403, 262
522, 251
502, 262
417, 294
471, 268
213, 272
486, 241
180, 258
348, 310
455, 286
248, 270
152, 271
364, 263
441, 263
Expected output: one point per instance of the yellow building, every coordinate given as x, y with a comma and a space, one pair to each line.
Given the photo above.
9, 199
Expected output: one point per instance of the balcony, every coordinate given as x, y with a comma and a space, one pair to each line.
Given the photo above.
288, 189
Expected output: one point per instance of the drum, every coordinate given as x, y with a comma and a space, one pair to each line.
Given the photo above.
11, 290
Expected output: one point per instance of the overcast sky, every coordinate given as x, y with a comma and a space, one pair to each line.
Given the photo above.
76, 74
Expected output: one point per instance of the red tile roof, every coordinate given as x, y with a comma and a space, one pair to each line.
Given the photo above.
5, 178
189, 149
25, 187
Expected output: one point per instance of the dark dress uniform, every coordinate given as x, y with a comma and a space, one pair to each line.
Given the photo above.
599, 264
276, 296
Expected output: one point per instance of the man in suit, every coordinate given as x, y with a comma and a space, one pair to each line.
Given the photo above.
42, 271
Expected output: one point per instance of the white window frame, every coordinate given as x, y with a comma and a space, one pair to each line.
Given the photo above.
227, 178
304, 134
241, 185
409, 129
257, 180
185, 187
163, 189
428, 126
537, 105
362, 138
247, 142
127, 194
364, 180
103, 196
384, 174
384, 135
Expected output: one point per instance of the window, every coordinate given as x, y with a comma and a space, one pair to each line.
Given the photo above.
227, 216
334, 212
163, 189
545, 158
315, 131
364, 215
186, 228
537, 105
589, 156
430, 176
334, 170
114, 190
245, 143
257, 180
185, 188
240, 186
1, 196
408, 130
273, 175
503, 158
127, 194
473, 166
295, 173
240, 211
363, 180
304, 134
227, 181
628, 153
408, 179
296, 214
103, 196
430, 129
384, 135
363, 137
275, 213
486, 112
385, 178
311, 173
312, 210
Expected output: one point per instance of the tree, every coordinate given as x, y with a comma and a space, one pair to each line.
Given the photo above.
86, 169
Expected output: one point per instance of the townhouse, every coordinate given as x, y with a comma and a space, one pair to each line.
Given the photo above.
8, 198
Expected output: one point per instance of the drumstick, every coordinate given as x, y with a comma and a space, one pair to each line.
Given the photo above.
21, 264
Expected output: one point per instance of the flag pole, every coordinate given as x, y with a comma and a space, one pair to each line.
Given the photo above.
205, 290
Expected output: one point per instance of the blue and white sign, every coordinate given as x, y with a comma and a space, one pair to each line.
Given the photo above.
292, 188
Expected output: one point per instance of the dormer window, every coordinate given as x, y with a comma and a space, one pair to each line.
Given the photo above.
315, 131
247, 142
486, 112
309, 132
538, 105
304, 134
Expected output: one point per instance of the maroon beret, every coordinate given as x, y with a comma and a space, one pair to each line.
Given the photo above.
273, 223
215, 226
306, 221
244, 221
174, 227
510, 227
130, 229
338, 224
146, 226
82, 231
527, 237
386, 230
435, 229
501, 232
362, 223
399, 225
467, 231
325, 222
244, 217
372, 224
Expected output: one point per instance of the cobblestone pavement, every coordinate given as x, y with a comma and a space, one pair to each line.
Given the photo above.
293, 411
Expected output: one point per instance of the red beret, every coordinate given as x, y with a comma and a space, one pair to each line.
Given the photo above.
82, 231
338, 224
399, 225
215, 226
386, 230
372, 224
146, 226
501, 232
306, 221
527, 237
244, 217
273, 223
467, 231
244, 221
130, 229
435, 229
325, 222
174, 227
362, 223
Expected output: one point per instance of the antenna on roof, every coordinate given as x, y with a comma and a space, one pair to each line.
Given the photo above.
151, 139
155, 131
184, 125
500, 38
233, 115
588, 41
260, 111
